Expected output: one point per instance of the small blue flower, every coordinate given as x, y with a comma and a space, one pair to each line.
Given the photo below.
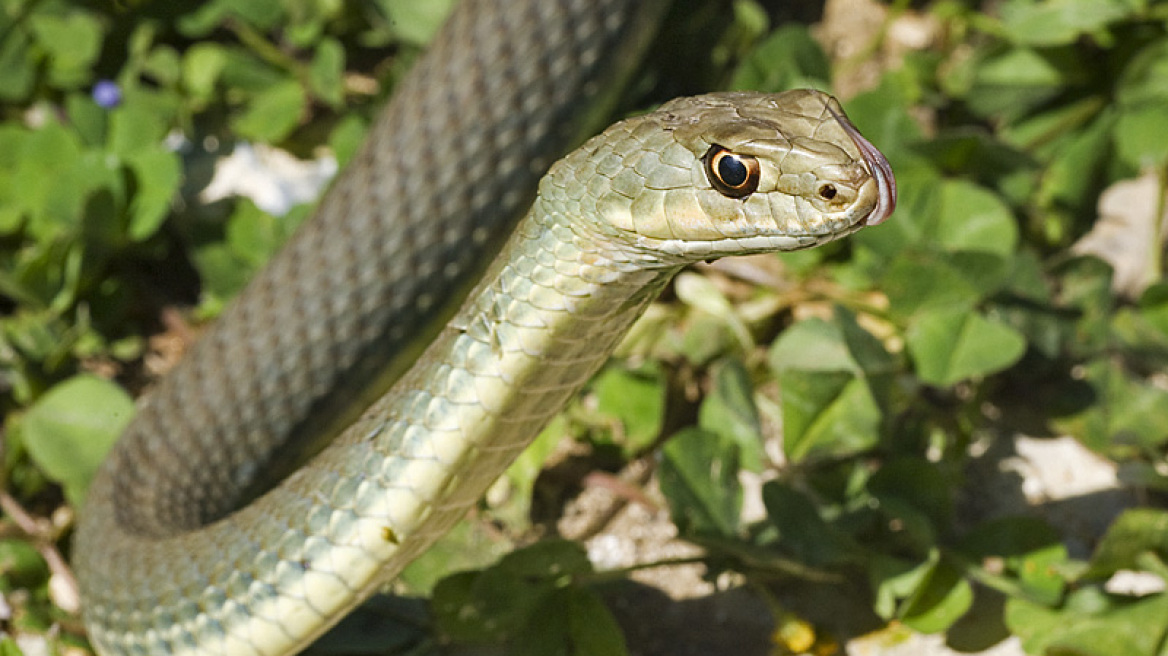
107, 94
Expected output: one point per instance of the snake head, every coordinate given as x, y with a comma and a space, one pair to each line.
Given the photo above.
733, 173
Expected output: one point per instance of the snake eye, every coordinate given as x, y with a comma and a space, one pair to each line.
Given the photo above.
731, 174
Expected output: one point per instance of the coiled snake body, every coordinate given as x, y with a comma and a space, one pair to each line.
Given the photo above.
173, 554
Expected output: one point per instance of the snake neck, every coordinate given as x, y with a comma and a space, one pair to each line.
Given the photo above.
545, 317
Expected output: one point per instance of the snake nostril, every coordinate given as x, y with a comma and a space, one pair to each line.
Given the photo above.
828, 192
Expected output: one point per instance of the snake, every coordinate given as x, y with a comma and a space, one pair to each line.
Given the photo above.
345, 410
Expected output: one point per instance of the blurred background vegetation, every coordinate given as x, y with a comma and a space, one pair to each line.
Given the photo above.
952, 425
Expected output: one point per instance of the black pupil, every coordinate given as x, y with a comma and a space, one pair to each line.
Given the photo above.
732, 171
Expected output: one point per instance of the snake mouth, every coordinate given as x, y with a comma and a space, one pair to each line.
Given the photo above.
878, 166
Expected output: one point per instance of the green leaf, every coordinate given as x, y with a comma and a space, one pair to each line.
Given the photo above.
572, 621
416, 22
975, 219
1009, 82
802, 531
21, 566
699, 477
1145, 78
700, 292
949, 346
729, 410
72, 42
1136, 533
1074, 176
496, 603
263, 14
347, 137
917, 482
326, 73
827, 414
202, 64
1027, 548
1091, 623
1140, 138
813, 345
17, 70
158, 174
8, 647
272, 113
634, 399
1127, 410
69, 430
926, 281
895, 579
135, 128
942, 600
1062, 22
788, 59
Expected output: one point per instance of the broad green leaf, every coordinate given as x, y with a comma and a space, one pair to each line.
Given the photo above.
1061, 22
917, 482
827, 414
813, 345
497, 602
1145, 78
8, 647
73, 42
158, 174
1137, 532
699, 292
416, 22
592, 629
729, 410
634, 399
272, 113
840, 345
326, 73
941, 600
17, 70
895, 580
788, 59
164, 65
262, 14
202, 64
135, 128
949, 346
699, 477
802, 531
254, 235
1028, 549
21, 566
222, 273
1126, 411
1091, 623
69, 430
1011, 81
1140, 138
347, 137
457, 614
974, 219
571, 621
1074, 176
89, 120
925, 281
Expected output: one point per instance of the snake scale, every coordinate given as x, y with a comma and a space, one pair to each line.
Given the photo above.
201, 535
